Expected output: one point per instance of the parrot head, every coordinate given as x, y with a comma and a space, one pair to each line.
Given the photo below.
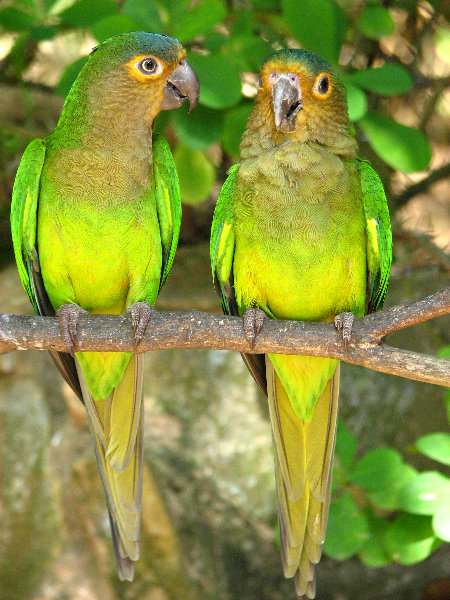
133, 76
300, 99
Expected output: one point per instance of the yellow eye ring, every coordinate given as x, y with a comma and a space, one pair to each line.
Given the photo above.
322, 86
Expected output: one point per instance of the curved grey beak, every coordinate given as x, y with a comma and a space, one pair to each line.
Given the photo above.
181, 85
286, 102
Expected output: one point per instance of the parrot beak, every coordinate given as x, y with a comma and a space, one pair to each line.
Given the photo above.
181, 85
286, 100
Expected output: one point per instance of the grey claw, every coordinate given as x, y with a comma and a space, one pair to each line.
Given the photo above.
68, 315
344, 324
141, 313
253, 321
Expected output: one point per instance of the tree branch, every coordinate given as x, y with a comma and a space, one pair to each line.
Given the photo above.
195, 329
422, 185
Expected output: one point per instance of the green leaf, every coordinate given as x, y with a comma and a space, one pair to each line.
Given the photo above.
424, 493
357, 102
373, 553
401, 147
377, 469
376, 22
435, 446
247, 52
409, 539
346, 444
42, 32
14, 19
220, 83
69, 76
387, 80
214, 41
441, 520
144, 13
201, 19
319, 25
196, 174
85, 13
388, 498
113, 25
444, 352
347, 529
235, 125
201, 128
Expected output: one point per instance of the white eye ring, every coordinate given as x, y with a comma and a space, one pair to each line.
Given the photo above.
149, 66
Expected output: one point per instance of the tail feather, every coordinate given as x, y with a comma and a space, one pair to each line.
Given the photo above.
303, 450
116, 425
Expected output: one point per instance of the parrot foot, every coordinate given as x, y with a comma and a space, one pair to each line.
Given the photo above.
344, 323
68, 315
253, 321
141, 313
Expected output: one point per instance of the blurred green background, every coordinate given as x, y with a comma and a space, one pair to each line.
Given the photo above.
209, 523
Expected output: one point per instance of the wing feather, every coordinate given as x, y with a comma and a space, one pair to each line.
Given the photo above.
379, 236
222, 256
168, 201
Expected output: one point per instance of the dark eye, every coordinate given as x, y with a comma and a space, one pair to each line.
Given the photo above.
148, 66
323, 85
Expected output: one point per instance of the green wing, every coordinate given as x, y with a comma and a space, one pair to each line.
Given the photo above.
24, 204
222, 256
168, 201
379, 236
222, 244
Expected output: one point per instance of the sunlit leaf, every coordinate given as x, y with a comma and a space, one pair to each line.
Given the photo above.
388, 497
377, 469
220, 83
442, 40
401, 147
235, 125
113, 25
69, 76
201, 128
387, 80
201, 19
85, 13
435, 446
441, 521
424, 493
144, 13
376, 22
357, 102
196, 174
319, 25
347, 530
409, 539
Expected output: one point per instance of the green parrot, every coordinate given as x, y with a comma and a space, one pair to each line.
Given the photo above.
95, 220
301, 231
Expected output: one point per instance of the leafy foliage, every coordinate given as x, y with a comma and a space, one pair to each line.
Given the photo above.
391, 512
226, 46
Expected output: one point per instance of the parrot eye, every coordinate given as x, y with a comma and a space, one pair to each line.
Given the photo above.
323, 86
149, 66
